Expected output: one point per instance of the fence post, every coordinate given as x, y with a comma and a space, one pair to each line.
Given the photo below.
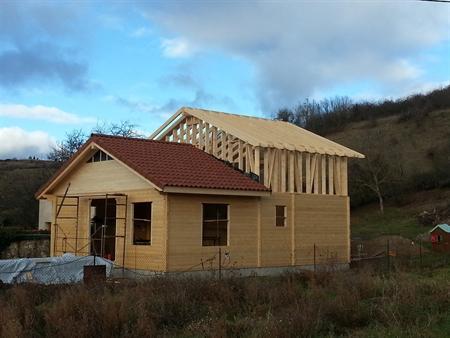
220, 262
388, 257
314, 257
420, 252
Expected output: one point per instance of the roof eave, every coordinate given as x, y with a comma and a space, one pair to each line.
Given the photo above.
209, 191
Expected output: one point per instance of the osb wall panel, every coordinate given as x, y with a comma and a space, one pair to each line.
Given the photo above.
185, 250
276, 245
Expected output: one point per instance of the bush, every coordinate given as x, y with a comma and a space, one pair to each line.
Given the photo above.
291, 305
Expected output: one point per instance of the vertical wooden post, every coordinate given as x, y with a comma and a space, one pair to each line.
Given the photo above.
316, 173
324, 174
175, 135
337, 175
207, 143
308, 173
257, 161
214, 141
201, 140
241, 155
247, 158
276, 171
344, 184
194, 134
330, 175
266, 167
283, 170
291, 171
230, 148
224, 145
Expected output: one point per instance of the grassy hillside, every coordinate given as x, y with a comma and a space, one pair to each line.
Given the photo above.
406, 219
19, 180
414, 142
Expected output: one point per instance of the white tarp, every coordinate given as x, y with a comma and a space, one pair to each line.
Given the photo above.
53, 270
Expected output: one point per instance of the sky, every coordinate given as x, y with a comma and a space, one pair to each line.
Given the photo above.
72, 65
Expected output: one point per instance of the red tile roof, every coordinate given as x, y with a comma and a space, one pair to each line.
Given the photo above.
169, 164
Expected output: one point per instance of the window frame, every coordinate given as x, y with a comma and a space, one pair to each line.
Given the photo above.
279, 217
133, 242
102, 157
227, 220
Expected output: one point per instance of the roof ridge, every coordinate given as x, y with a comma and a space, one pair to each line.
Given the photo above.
93, 135
234, 114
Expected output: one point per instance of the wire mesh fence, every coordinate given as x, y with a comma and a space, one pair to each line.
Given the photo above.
385, 254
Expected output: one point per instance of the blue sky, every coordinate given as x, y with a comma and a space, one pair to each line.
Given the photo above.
71, 65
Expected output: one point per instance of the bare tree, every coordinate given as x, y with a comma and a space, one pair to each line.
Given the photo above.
123, 128
380, 170
66, 148
75, 139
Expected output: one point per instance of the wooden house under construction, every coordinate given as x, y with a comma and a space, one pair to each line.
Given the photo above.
207, 189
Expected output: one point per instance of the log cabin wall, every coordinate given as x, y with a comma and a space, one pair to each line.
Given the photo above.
282, 170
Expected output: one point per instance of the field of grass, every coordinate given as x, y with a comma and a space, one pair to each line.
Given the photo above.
367, 222
356, 303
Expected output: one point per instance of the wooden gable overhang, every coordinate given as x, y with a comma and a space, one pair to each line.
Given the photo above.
286, 158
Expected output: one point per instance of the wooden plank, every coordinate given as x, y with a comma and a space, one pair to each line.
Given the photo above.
194, 134
230, 148
330, 175
283, 170
300, 170
324, 174
175, 135
276, 171
257, 161
224, 145
182, 132
344, 183
308, 173
291, 171
337, 175
214, 141
207, 140
241, 155
201, 140
272, 165
251, 158
316, 173
246, 158
266, 167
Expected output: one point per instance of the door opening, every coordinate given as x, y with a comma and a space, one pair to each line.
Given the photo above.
103, 227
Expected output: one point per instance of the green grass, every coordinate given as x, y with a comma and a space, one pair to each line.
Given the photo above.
367, 222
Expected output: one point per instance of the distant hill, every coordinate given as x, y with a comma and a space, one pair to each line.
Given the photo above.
417, 143
19, 180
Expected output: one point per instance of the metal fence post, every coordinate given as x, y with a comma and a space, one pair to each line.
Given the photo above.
314, 257
388, 257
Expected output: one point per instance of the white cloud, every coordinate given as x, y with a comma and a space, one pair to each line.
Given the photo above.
141, 32
50, 114
19, 143
176, 48
298, 47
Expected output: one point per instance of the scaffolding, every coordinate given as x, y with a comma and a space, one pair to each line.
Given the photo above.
67, 225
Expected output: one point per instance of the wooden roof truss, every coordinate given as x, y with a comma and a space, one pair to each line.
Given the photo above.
282, 170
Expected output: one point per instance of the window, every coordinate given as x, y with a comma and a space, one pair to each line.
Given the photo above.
280, 216
215, 224
142, 223
99, 156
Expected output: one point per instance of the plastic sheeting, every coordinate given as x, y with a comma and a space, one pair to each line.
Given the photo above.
53, 270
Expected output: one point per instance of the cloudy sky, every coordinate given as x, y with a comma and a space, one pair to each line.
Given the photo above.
71, 65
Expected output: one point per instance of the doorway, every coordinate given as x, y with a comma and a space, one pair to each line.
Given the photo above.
103, 227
